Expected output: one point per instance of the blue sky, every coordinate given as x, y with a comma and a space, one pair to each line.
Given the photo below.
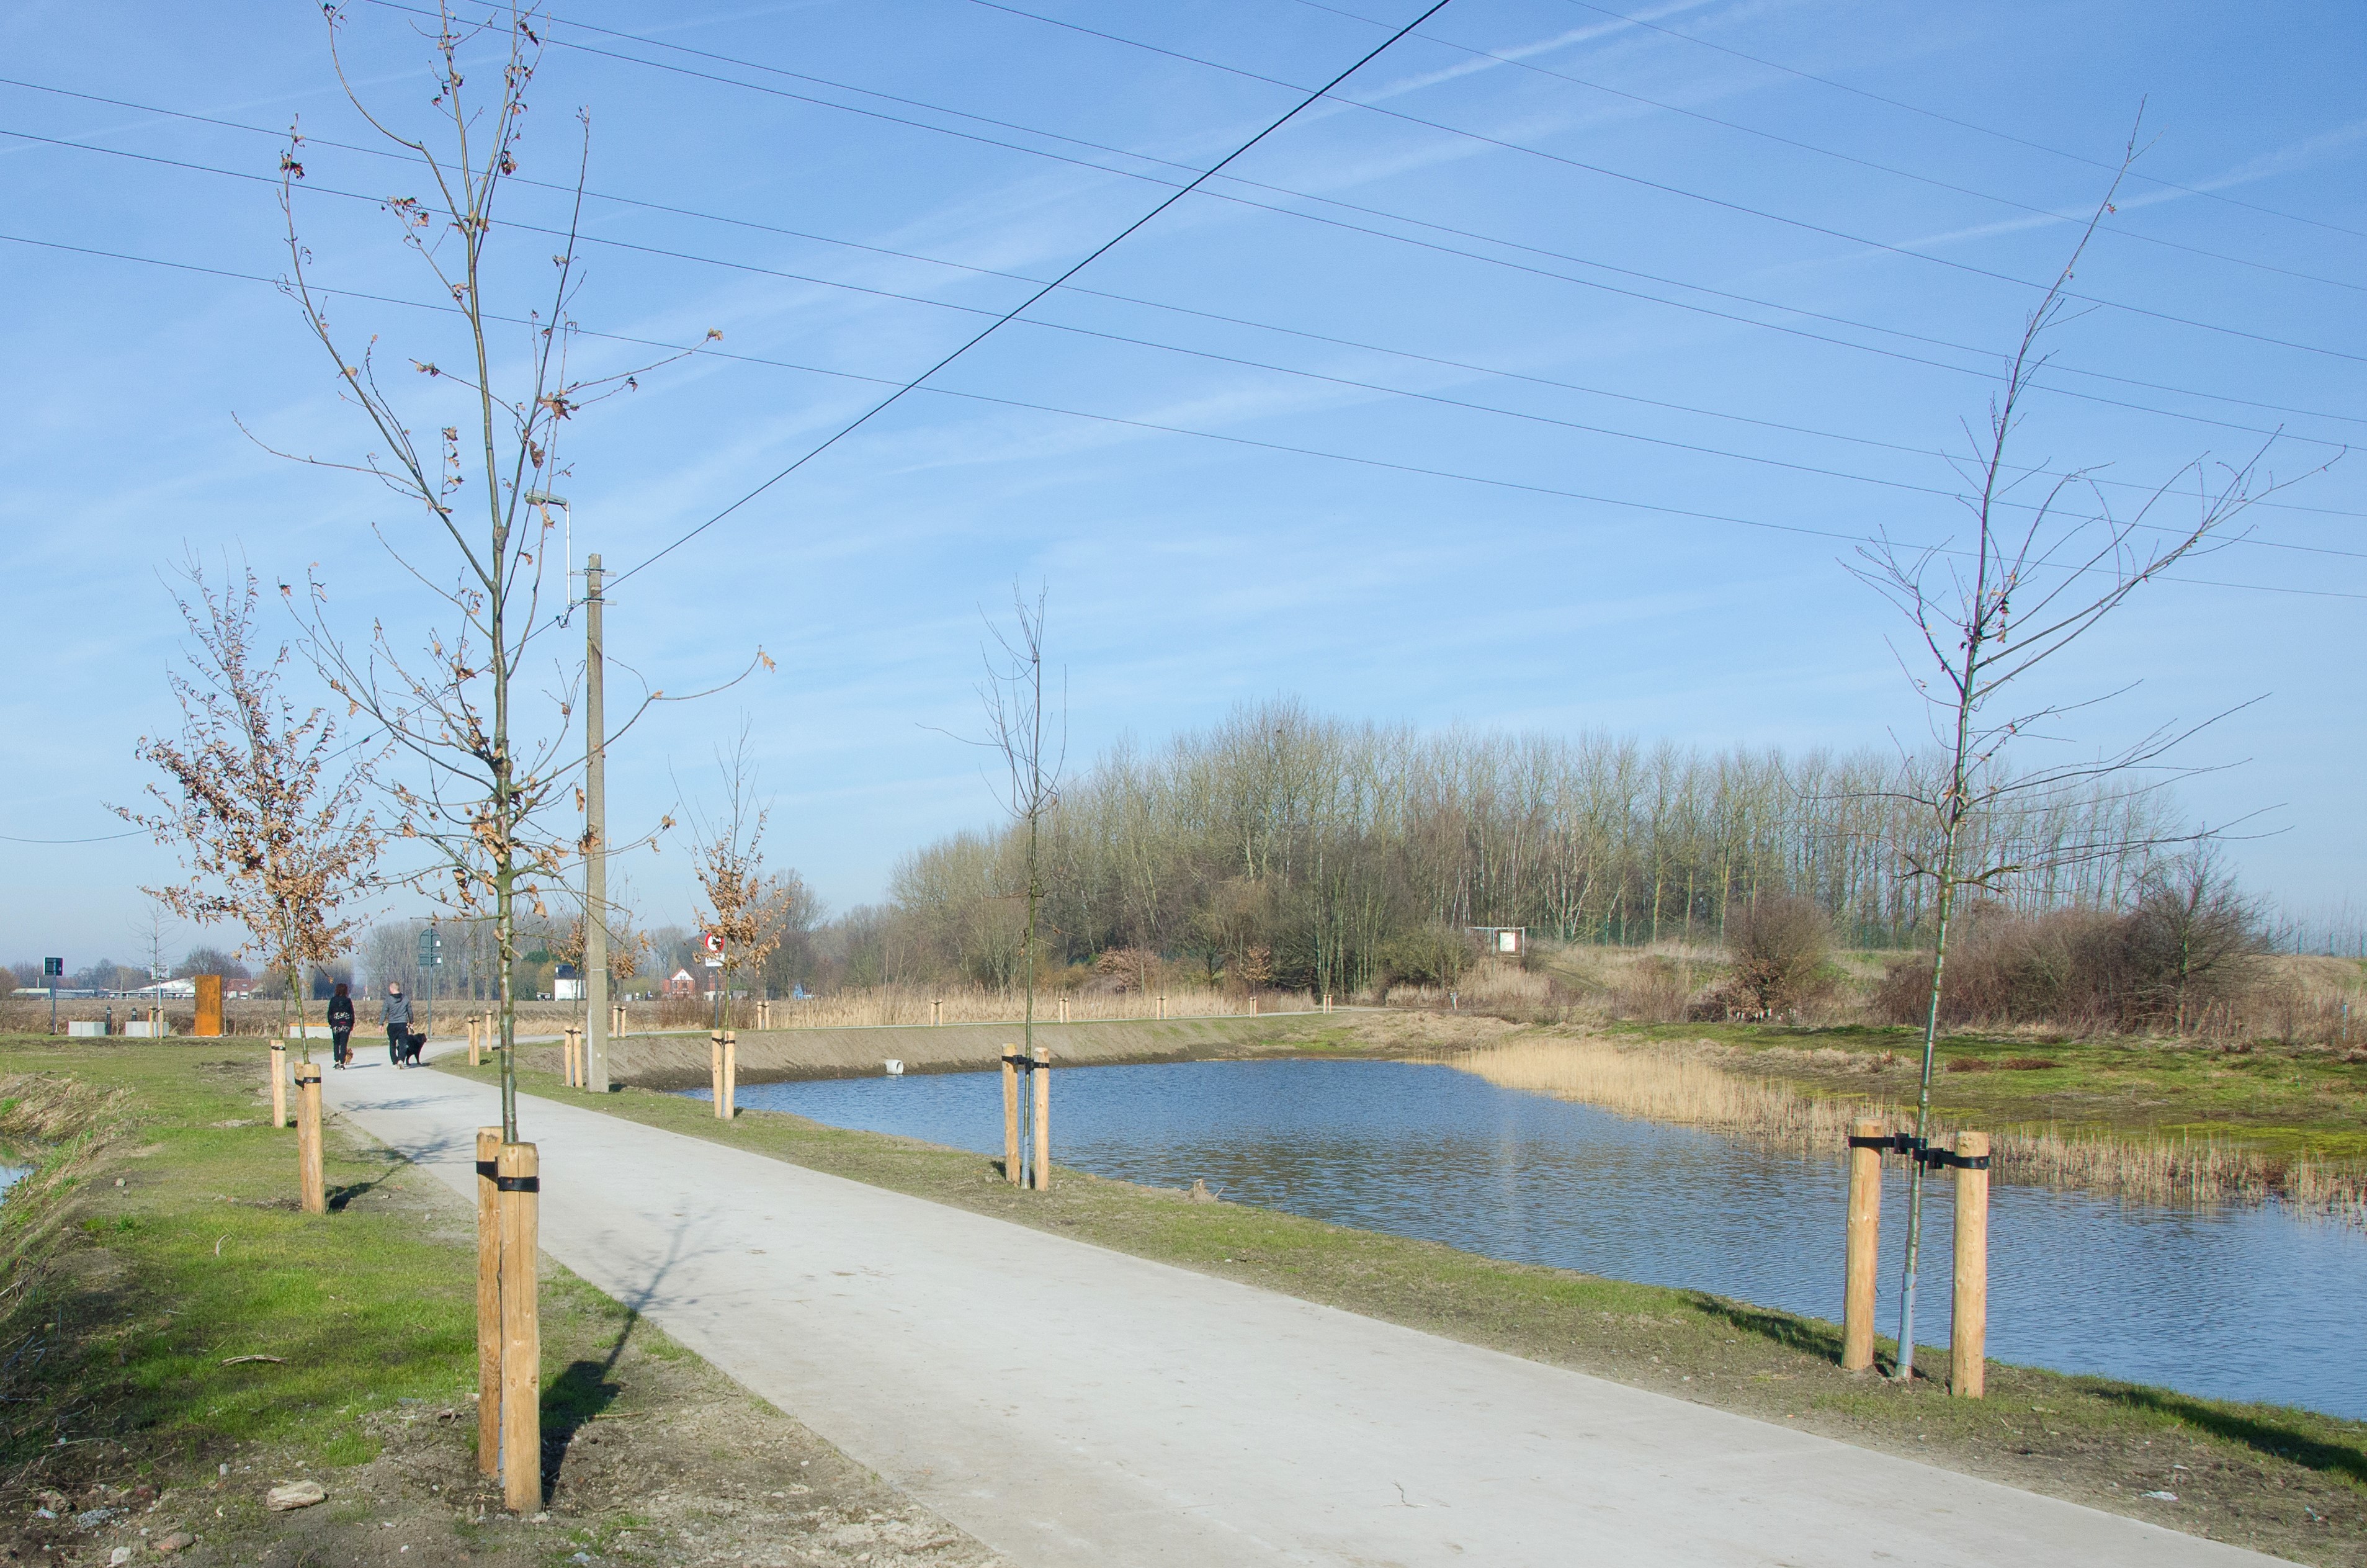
1672, 256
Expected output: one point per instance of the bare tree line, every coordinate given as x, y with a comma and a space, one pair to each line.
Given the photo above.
1282, 847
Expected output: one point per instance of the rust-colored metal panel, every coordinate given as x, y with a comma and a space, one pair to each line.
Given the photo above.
210, 1020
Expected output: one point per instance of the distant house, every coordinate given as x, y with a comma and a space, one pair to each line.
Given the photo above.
567, 984
681, 986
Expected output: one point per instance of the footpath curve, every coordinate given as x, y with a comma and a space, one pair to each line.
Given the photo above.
1074, 1407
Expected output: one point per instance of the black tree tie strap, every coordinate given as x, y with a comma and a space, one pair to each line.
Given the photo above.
1920, 1152
517, 1183
489, 1170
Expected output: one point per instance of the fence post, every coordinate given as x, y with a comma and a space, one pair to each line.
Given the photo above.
279, 1082
1968, 1331
715, 1068
1863, 1251
307, 1138
489, 1298
1011, 1162
518, 1170
730, 1073
1042, 1073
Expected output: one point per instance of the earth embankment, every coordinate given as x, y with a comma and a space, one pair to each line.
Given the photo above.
769, 1056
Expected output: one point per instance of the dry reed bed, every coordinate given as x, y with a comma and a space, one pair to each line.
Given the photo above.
1685, 1086
904, 1004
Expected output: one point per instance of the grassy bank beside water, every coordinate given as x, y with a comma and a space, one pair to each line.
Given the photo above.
176, 1337
2145, 1117
2286, 1481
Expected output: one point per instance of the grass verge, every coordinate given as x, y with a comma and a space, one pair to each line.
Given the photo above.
2281, 1481
176, 1337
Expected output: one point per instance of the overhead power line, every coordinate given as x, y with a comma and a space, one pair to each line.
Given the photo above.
1219, 316
1664, 187
318, 188
1345, 206
1278, 447
1961, 124
1779, 139
1096, 254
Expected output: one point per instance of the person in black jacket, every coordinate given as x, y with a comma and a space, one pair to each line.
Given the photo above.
341, 1026
397, 1021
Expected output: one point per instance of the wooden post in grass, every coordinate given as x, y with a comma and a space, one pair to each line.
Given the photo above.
279, 1082
715, 1068
1162, 1004
1864, 1241
518, 1171
1042, 1073
488, 1301
1064, 1009
1012, 1165
937, 1013
1968, 1331
1253, 1007
473, 1057
731, 1074
308, 1139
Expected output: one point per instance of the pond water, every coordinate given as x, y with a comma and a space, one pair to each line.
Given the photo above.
2238, 1302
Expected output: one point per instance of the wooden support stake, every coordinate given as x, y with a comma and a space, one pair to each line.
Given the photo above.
518, 1169
730, 1073
715, 1070
1043, 1086
1064, 1009
1253, 1007
1011, 1161
1968, 1333
308, 1139
1163, 1007
1862, 1249
489, 1299
474, 1041
937, 1012
279, 1082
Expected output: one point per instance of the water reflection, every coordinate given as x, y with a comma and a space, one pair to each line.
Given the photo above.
2233, 1302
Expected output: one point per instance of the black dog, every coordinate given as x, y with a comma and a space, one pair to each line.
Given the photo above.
413, 1042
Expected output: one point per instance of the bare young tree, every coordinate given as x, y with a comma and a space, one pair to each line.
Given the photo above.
153, 930
272, 831
743, 904
2037, 576
482, 777
1034, 747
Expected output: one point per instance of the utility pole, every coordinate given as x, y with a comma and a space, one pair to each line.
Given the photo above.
596, 843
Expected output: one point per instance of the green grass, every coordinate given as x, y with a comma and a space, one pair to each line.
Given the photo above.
2289, 1480
201, 1254
2282, 1100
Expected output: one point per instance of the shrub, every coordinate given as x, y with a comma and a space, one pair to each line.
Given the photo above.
1778, 944
1430, 955
2189, 944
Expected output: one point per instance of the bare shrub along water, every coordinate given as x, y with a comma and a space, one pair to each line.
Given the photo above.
1684, 1084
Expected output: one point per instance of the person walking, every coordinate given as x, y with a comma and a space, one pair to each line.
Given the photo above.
341, 1026
398, 1020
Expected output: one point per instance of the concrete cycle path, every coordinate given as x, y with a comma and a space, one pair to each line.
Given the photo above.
1070, 1405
